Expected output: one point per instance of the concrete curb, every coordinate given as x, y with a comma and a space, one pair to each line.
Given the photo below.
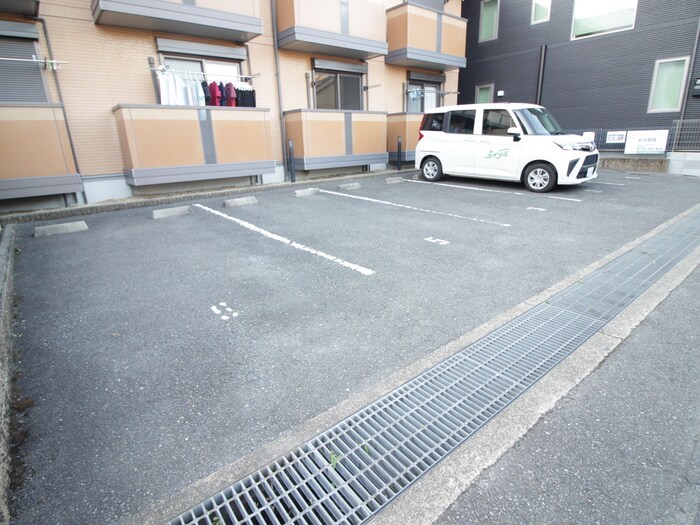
6, 290
435, 491
167, 213
60, 229
163, 200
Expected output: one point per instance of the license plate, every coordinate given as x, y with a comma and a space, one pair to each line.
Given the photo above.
589, 173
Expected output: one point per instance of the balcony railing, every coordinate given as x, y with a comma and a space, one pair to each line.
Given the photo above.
230, 20
347, 28
169, 144
334, 138
425, 38
35, 151
20, 7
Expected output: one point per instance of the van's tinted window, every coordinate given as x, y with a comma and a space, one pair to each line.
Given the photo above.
496, 122
462, 121
432, 122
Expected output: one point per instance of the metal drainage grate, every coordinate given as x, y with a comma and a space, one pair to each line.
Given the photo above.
353, 470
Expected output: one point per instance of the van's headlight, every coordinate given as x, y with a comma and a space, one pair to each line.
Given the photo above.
567, 145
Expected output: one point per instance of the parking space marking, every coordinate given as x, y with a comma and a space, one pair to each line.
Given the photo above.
489, 191
405, 206
562, 198
606, 183
536, 209
441, 242
593, 191
288, 242
633, 178
465, 187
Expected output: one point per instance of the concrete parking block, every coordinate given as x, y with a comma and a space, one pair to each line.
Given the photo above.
307, 192
350, 186
242, 201
394, 180
57, 229
171, 212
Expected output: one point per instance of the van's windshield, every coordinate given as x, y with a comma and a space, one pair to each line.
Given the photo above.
538, 121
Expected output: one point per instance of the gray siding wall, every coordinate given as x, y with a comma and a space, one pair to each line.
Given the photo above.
597, 82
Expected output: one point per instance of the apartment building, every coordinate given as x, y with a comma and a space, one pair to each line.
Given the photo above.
105, 99
602, 66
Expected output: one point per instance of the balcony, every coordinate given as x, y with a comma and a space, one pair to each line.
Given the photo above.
406, 126
230, 20
425, 38
20, 7
334, 138
171, 144
35, 152
342, 28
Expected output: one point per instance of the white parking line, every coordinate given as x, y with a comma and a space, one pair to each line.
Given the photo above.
606, 183
367, 199
633, 178
291, 244
536, 209
562, 198
593, 191
489, 191
464, 187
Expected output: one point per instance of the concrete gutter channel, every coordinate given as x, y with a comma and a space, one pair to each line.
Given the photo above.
427, 498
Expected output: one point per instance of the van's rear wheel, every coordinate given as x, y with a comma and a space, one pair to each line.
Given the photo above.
431, 169
540, 178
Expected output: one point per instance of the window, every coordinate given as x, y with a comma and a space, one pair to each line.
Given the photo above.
595, 17
337, 90
462, 122
484, 94
432, 122
422, 97
177, 86
20, 82
488, 20
496, 122
540, 11
670, 77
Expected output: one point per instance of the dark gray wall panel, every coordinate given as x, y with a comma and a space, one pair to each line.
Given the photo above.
598, 82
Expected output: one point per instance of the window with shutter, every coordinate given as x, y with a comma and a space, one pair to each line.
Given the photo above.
20, 81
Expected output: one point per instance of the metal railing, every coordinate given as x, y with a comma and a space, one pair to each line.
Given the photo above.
683, 135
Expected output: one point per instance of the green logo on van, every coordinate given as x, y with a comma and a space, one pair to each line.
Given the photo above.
497, 154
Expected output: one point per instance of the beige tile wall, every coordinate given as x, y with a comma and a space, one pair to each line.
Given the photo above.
108, 66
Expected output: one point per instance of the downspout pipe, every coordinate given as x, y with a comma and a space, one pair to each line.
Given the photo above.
691, 67
283, 130
60, 98
540, 75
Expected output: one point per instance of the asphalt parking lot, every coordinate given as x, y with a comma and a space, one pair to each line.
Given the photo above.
158, 351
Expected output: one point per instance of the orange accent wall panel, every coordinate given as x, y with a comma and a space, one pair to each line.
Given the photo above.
162, 137
34, 143
368, 134
454, 36
241, 136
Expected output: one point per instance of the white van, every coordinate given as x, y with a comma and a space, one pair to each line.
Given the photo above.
516, 142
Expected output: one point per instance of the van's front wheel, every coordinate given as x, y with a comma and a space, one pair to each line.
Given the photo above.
431, 169
540, 178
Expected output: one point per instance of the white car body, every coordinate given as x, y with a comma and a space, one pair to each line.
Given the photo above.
517, 149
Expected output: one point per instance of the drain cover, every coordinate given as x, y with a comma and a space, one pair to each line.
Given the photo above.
353, 470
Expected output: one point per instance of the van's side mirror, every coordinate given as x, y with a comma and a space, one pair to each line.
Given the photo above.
515, 133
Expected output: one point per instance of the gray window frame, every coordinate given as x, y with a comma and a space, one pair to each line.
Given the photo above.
684, 83
496, 23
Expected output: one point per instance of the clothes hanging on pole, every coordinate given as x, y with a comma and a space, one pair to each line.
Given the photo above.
231, 95
207, 95
215, 94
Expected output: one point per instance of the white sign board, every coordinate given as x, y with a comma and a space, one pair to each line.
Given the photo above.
616, 137
646, 142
